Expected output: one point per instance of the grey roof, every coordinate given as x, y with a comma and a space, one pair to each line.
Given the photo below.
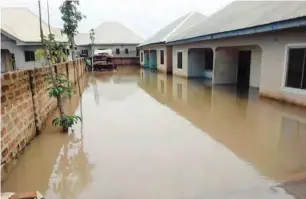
110, 33
21, 23
244, 14
174, 28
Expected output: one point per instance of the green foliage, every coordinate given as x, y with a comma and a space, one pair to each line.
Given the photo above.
53, 48
64, 87
71, 17
66, 121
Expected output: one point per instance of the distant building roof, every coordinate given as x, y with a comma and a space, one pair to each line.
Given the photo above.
174, 28
23, 25
110, 33
245, 14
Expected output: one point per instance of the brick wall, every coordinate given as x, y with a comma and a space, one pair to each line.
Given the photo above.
125, 61
26, 105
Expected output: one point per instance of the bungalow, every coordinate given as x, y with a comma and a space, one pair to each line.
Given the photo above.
260, 44
154, 53
110, 35
20, 38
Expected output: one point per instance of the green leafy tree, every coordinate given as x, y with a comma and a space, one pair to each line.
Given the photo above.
71, 17
53, 48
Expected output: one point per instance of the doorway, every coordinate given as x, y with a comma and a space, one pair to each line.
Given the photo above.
244, 65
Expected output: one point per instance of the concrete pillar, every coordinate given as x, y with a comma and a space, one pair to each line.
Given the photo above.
225, 66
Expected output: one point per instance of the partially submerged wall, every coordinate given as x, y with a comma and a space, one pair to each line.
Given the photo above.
26, 105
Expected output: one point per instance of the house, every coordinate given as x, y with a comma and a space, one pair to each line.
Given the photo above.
154, 53
20, 38
110, 35
259, 44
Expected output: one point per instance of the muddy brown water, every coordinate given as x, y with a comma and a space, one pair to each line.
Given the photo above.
150, 135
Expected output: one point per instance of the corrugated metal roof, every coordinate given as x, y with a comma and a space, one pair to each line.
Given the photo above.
23, 24
110, 33
244, 14
174, 28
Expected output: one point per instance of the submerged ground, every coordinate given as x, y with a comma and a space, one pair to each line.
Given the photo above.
146, 135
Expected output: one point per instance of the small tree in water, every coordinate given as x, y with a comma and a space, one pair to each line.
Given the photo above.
71, 17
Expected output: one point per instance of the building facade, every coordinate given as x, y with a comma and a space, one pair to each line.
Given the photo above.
112, 36
19, 42
154, 53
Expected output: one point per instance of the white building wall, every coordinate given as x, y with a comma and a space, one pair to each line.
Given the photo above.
184, 70
273, 60
225, 66
255, 67
18, 51
131, 48
162, 67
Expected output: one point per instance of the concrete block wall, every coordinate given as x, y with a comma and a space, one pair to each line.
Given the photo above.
26, 105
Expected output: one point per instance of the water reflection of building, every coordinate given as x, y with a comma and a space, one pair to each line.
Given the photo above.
253, 129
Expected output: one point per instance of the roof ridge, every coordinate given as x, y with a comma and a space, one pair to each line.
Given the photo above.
178, 26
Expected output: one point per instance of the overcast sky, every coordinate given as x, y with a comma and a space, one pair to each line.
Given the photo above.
144, 17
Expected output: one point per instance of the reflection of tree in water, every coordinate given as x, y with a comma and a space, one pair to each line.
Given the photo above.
96, 92
71, 173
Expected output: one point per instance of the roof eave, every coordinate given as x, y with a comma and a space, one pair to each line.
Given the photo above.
279, 25
150, 44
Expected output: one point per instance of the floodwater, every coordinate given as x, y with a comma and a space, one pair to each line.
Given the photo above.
146, 135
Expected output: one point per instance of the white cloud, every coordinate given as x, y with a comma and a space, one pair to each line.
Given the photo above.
144, 17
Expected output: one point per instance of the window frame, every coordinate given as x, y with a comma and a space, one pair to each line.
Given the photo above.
117, 51
177, 66
126, 51
285, 70
25, 57
162, 58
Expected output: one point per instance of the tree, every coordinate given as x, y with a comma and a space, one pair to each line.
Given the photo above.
92, 38
71, 17
46, 52
60, 85
53, 48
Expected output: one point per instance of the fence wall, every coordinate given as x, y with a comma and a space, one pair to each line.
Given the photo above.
26, 105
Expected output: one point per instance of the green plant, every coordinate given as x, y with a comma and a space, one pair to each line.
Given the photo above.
64, 87
71, 17
66, 121
53, 49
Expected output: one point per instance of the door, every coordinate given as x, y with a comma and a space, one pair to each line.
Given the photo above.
153, 59
244, 63
146, 59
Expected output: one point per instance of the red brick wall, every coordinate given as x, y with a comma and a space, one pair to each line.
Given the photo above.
26, 105
125, 61
17, 113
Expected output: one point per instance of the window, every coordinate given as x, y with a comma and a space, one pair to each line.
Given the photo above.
84, 52
137, 52
141, 56
296, 71
29, 56
117, 51
209, 62
161, 57
179, 60
126, 51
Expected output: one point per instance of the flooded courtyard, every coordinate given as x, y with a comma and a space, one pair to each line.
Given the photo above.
147, 135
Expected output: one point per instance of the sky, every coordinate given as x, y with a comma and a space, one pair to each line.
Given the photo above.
144, 17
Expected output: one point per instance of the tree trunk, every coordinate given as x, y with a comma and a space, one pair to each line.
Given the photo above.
59, 100
92, 58
73, 48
